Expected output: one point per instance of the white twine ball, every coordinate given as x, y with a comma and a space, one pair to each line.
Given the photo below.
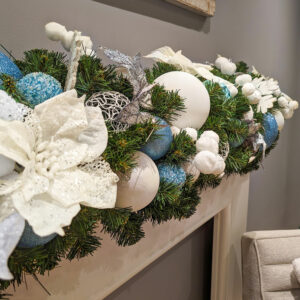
255, 97
209, 163
228, 68
192, 133
283, 102
211, 134
207, 144
248, 89
242, 79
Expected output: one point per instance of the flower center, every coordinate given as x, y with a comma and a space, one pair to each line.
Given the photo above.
47, 159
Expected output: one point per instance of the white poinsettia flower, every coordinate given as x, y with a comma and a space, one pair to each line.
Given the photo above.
58, 148
177, 59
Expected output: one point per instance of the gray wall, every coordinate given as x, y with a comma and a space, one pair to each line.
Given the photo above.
262, 32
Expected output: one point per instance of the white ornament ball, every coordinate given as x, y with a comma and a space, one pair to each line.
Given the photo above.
192, 133
248, 89
175, 130
211, 134
190, 169
255, 97
141, 187
195, 95
228, 68
248, 116
242, 79
207, 144
283, 102
209, 163
279, 119
7, 165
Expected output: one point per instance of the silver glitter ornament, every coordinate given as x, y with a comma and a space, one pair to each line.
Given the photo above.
111, 104
131, 113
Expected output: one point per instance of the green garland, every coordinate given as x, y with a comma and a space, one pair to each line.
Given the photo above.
171, 201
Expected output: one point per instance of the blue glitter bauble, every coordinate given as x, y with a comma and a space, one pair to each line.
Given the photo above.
225, 90
8, 67
29, 239
38, 87
171, 173
222, 85
158, 147
271, 129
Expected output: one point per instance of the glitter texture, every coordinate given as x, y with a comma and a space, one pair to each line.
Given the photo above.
158, 147
8, 67
29, 239
225, 90
171, 174
38, 87
271, 129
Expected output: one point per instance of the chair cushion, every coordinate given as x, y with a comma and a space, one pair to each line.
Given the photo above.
267, 265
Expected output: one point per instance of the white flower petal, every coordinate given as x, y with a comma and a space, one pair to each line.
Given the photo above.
11, 230
78, 186
45, 215
96, 135
62, 116
16, 141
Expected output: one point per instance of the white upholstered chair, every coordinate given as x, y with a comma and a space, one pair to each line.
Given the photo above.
267, 265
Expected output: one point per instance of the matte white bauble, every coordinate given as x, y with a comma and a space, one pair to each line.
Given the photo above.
255, 97
248, 89
7, 165
190, 169
195, 95
242, 79
141, 187
192, 133
279, 119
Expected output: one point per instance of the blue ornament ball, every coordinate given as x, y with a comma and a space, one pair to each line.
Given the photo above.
236, 143
271, 129
158, 147
7, 66
171, 173
38, 87
225, 90
29, 239
222, 85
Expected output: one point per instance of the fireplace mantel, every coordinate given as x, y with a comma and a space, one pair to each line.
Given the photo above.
97, 276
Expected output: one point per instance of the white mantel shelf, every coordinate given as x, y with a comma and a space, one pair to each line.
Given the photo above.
97, 276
